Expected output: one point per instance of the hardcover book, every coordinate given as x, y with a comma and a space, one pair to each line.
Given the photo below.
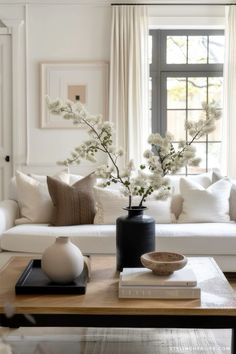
159, 292
145, 277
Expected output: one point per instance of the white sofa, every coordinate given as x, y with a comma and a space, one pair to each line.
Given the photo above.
192, 239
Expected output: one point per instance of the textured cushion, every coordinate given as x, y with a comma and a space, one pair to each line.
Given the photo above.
216, 176
198, 239
110, 204
33, 197
205, 205
203, 179
73, 205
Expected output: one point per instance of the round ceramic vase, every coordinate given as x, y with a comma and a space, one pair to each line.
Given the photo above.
62, 261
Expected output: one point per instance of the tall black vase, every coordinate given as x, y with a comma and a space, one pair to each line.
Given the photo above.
135, 235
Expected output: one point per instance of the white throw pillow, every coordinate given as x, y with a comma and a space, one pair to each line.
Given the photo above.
63, 176
34, 199
204, 179
110, 204
216, 176
205, 205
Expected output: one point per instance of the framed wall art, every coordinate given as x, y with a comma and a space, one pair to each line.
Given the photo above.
86, 82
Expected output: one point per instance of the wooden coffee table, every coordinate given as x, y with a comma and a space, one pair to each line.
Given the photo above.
101, 307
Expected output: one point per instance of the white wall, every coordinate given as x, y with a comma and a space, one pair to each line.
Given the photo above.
61, 33
52, 32
64, 32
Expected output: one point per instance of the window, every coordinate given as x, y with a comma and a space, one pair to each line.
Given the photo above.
186, 69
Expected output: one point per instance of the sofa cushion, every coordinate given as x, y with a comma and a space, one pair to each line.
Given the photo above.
43, 179
198, 239
216, 176
205, 205
204, 179
61, 176
37, 237
73, 205
33, 197
110, 204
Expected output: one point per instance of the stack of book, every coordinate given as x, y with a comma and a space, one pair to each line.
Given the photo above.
140, 283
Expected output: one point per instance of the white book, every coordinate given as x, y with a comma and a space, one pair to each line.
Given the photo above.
155, 292
143, 276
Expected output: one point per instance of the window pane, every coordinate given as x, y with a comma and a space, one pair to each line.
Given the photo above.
196, 91
176, 92
200, 152
215, 90
195, 115
216, 135
182, 171
176, 124
216, 49
176, 49
214, 150
197, 49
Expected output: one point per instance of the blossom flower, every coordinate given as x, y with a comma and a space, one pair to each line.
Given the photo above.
147, 154
161, 159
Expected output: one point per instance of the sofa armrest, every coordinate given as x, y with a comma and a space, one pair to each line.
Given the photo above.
9, 212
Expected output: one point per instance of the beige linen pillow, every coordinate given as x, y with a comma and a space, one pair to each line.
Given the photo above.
205, 205
33, 198
110, 204
73, 205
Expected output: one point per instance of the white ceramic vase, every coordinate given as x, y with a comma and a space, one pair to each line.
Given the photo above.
62, 261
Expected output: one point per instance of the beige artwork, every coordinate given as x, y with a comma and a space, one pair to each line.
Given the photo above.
77, 93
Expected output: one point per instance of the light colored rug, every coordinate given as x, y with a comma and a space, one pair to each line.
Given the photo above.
119, 341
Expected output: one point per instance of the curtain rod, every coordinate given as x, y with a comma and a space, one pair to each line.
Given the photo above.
172, 4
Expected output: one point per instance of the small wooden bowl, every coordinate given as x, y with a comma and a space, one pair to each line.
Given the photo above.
163, 263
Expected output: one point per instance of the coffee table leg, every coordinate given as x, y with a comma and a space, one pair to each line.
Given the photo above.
233, 349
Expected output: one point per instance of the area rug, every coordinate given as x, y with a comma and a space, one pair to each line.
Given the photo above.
119, 341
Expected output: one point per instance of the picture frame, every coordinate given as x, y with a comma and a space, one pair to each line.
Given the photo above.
83, 81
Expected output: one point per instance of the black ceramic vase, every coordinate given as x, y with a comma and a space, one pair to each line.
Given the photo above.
135, 235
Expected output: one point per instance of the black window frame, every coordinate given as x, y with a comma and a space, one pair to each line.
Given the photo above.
160, 70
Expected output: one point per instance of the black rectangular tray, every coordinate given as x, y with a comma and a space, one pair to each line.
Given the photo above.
34, 281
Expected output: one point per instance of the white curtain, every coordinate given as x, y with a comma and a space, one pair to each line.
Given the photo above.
229, 99
129, 79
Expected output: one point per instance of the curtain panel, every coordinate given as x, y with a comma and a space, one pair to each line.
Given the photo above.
129, 80
229, 99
